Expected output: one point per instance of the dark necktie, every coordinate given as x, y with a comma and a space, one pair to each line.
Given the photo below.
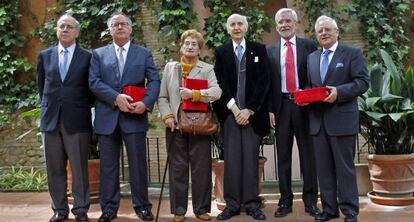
290, 69
63, 65
324, 64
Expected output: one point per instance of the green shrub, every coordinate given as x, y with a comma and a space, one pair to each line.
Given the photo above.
20, 179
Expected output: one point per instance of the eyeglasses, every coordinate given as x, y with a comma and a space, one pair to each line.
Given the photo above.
122, 24
66, 26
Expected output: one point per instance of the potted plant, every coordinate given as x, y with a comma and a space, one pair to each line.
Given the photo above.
387, 120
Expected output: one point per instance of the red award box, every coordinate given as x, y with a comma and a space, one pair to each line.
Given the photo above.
194, 84
137, 93
310, 95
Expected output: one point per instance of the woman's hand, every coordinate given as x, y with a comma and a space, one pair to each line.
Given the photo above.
186, 93
170, 123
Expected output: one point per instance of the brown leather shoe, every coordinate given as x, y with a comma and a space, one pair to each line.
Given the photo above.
178, 218
204, 216
57, 217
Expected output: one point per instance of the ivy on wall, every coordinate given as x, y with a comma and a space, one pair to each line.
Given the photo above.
383, 26
174, 18
92, 16
216, 33
15, 94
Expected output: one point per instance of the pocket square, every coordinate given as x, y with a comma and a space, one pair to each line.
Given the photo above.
339, 65
256, 59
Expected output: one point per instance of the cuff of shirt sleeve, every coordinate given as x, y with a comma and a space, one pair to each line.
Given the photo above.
231, 103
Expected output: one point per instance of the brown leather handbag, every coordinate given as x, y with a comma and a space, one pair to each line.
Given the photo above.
197, 123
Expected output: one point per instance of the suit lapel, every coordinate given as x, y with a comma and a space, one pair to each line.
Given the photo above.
299, 54
75, 59
128, 59
54, 57
315, 66
112, 57
331, 68
195, 72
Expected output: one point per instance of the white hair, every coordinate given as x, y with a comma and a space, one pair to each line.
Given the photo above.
65, 16
326, 18
283, 10
244, 20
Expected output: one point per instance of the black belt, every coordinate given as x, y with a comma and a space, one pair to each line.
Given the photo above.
287, 96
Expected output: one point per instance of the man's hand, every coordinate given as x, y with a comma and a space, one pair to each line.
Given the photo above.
333, 95
170, 123
272, 120
122, 102
235, 110
243, 117
139, 107
186, 93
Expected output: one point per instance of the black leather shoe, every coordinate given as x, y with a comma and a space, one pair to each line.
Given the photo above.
57, 217
312, 210
227, 214
145, 214
283, 210
351, 218
107, 217
325, 217
256, 213
82, 217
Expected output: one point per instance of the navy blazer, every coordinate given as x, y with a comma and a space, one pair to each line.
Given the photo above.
257, 83
303, 48
70, 98
139, 70
348, 73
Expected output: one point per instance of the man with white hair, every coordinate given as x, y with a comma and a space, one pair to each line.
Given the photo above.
62, 78
242, 73
334, 123
288, 71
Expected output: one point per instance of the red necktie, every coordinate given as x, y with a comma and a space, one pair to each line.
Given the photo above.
290, 69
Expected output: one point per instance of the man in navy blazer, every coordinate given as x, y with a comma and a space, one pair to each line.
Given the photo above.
289, 119
62, 78
334, 123
113, 67
241, 70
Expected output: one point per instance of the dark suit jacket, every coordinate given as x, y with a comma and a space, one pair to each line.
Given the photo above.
303, 48
139, 70
348, 73
257, 83
72, 97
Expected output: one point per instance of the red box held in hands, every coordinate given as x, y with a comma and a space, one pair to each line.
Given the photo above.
137, 93
311, 95
194, 84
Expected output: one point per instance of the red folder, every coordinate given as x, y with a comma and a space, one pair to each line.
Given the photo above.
194, 84
311, 95
137, 93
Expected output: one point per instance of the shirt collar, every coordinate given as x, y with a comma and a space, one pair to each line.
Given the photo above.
243, 44
71, 48
126, 46
291, 40
333, 47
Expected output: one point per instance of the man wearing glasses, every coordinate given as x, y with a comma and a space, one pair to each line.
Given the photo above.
62, 78
118, 119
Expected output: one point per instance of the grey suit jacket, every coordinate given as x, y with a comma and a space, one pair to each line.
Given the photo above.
348, 73
70, 98
139, 70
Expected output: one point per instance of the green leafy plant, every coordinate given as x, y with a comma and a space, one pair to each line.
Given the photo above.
215, 26
17, 91
383, 25
387, 109
20, 179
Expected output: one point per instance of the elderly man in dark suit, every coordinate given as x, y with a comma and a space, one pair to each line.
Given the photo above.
334, 123
288, 71
62, 78
112, 67
241, 69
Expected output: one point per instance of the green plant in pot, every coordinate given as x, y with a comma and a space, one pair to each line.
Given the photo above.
387, 120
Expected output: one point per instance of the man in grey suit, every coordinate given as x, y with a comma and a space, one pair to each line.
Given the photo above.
288, 71
120, 64
62, 78
334, 123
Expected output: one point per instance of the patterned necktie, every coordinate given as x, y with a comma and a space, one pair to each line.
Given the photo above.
290, 69
324, 64
121, 61
239, 52
63, 65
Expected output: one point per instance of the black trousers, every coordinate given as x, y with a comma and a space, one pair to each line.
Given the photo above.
186, 153
293, 122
